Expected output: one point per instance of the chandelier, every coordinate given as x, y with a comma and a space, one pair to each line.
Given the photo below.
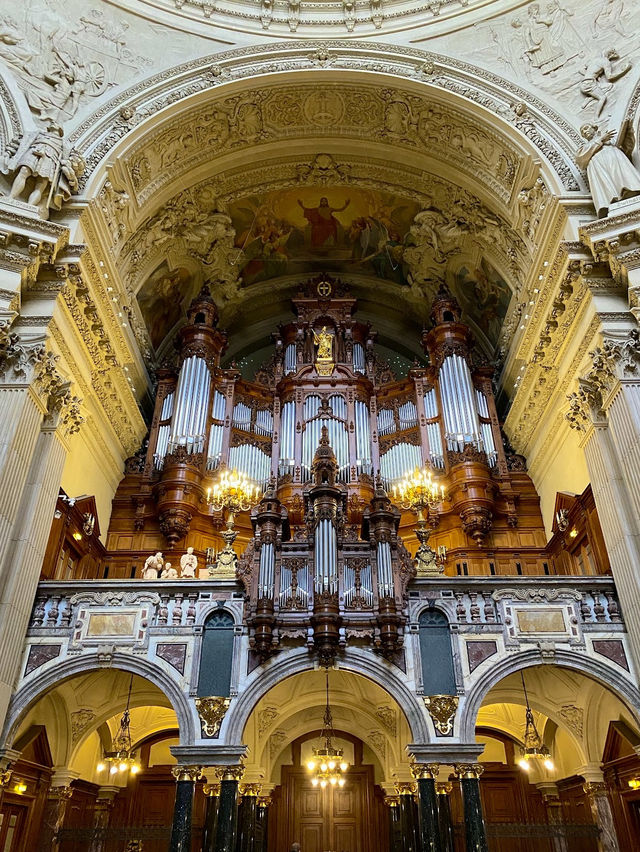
234, 492
419, 492
122, 757
534, 748
327, 764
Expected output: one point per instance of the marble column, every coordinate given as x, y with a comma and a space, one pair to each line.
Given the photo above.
598, 796
262, 824
443, 790
55, 810
553, 806
226, 828
428, 826
408, 813
395, 838
211, 792
475, 834
186, 777
247, 817
105, 800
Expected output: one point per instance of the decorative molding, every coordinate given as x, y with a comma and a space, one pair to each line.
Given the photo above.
212, 711
442, 709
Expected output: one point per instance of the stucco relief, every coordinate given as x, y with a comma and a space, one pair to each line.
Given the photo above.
378, 115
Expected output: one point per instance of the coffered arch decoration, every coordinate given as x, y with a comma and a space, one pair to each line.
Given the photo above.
479, 93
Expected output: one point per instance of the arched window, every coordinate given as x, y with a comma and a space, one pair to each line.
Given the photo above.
217, 654
438, 677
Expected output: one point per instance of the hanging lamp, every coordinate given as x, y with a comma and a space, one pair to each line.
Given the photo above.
534, 748
327, 765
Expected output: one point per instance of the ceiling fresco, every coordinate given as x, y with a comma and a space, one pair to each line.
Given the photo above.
308, 230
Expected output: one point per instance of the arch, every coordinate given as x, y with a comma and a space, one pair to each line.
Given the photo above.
31, 692
355, 661
600, 672
539, 131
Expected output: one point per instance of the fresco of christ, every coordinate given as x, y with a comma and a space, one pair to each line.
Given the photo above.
324, 225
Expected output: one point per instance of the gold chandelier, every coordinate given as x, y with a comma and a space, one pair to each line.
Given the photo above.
420, 493
327, 764
234, 492
122, 758
534, 748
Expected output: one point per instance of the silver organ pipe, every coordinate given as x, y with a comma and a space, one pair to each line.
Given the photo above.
363, 438
214, 452
487, 432
264, 422
188, 423
252, 461
385, 573
408, 415
266, 571
311, 435
358, 358
163, 432
459, 406
290, 597
399, 460
433, 429
386, 423
242, 416
287, 438
290, 359
326, 557
366, 585
338, 435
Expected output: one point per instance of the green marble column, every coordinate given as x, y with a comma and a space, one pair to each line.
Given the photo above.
476, 837
443, 790
408, 817
212, 792
247, 818
186, 777
262, 824
227, 824
395, 837
428, 825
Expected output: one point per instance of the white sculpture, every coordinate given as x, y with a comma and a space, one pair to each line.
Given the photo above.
168, 573
600, 74
45, 173
188, 564
153, 566
612, 176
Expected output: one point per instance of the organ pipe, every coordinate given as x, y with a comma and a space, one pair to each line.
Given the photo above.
434, 436
287, 438
363, 438
459, 406
250, 460
163, 432
290, 359
399, 460
267, 570
188, 423
358, 358
326, 557
385, 570
487, 432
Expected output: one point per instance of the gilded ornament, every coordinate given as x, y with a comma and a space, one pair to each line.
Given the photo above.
442, 709
212, 711
187, 773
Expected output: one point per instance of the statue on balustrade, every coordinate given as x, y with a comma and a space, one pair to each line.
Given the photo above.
153, 566
168, 573
189, 564
612, 176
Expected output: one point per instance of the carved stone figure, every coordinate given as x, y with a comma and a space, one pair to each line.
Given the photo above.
188, 564
598, 73
44, 175
168, 572
153, 566
541, 49
612, 176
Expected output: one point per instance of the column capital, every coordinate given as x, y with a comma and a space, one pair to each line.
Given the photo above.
211, 790
264, 801
5, 777
187, 773
468, 770
443, 788
392, 801
549, 791
229, 773
250, 789
405, 788
60, 794
425, 770
595, 788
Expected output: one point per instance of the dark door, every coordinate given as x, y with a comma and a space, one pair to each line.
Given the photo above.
13, 819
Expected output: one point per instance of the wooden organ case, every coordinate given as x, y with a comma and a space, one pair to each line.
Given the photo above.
325, 428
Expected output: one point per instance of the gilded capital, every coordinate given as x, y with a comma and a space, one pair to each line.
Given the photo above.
405, 788
250, 789
230, 773
425, 770
211, 790
468, 770
443, 788
5, 777
392, 801
187, 773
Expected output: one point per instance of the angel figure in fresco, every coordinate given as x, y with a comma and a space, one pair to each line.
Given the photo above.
324, 225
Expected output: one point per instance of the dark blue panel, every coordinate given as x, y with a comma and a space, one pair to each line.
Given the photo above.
217, 654
438, 677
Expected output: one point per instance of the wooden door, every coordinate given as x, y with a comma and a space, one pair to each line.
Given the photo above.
12, 824
330, 820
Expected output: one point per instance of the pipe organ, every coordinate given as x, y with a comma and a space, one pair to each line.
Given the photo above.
326, 429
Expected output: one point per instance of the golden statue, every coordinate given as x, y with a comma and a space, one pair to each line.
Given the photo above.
324, 342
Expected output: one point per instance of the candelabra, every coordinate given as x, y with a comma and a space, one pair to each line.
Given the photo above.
420, 493
234, 492
122, 757
327, 765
